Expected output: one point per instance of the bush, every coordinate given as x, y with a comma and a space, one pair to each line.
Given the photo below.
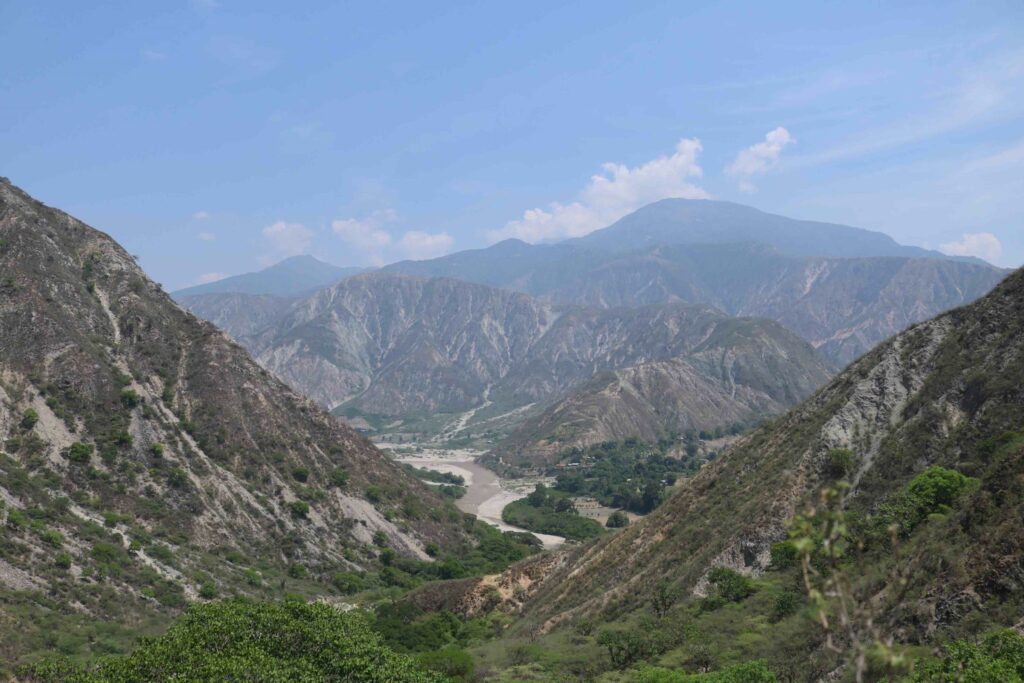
207, 591
998, 657
617, 520
299, 508
52, 537
786, 603
253, 578
130, 398
730, 586
29, 419
240, 640
80, 453
296, 570
840, 462
933, 491
784, 555
300, 474
374, 494
625, 647
451, 661
348, 582
339, 477
62, 561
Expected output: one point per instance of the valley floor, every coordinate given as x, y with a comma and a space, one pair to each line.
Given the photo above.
486, 493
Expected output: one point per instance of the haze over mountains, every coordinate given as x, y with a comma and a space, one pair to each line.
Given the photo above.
386, 345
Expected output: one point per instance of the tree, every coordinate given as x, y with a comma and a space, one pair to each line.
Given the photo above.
624, 647
665, 597
539, 497
29, 419
565, 505
617, 520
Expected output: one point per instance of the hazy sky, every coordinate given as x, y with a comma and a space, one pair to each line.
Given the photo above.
211, 137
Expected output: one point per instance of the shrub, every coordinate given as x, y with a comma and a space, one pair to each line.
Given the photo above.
62, 561
840, 462
730, 586
299, 508
207, 591
348, 582
380, 539
339, 477
296, 570
784, 555
432, 549
241, 640
300, 474
80, 453
253, 577
625, 647
998, 657
451, 661
617, 520
130, 398
29, 419
933, 491
52, 537
374, 493
157, 450
748, 672
786, 603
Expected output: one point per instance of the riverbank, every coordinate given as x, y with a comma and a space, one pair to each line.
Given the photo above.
486, 493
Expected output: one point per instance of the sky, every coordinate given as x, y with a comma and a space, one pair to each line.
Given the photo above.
212, 137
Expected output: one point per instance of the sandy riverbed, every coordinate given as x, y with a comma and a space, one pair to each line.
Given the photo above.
486, 493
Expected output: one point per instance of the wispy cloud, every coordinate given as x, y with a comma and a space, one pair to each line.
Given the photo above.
369, 236
207, 236
618, 190
207, 278
200, 215
416, 244
153, 55
203, 6
758, 158
984, 245
285, 239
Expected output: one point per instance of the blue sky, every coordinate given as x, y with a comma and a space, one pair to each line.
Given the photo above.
213, 137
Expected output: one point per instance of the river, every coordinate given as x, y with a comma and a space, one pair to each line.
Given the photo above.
486, 493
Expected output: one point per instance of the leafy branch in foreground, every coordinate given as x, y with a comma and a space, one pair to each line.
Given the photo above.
821, 538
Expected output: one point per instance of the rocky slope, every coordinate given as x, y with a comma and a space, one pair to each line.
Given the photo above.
843, 306
947, 392
745, 370
145, 455
394, 345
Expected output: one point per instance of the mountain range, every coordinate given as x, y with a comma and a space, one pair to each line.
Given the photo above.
391, 345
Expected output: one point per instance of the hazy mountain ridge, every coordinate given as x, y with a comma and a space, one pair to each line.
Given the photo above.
292, 277
394, 344
119, 410
842, 305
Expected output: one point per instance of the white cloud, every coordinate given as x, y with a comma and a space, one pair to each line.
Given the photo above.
200, 215
984, 245
207, 278
207, 236
153, 55
609, 196
367, 234
287, 239
759, 158
416, 244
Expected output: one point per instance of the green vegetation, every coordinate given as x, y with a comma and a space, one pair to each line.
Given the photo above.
617, 520
545, 513
629, 474
80, 453
29, 419
240, 640
750, 672
998, 657
931, 492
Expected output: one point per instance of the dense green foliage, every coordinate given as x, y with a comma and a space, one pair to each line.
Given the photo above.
244, 641
542, 512
998, 657
624, 474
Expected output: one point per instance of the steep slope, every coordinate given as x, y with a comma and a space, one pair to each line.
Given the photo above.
294, 276
843, 306
946, 393
393, 345
744, 370
240, 315
146, 455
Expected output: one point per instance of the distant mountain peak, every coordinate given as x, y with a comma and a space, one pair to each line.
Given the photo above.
293, 276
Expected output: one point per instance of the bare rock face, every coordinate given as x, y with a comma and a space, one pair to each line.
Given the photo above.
843, 299
121, 411
392, 344
946, 392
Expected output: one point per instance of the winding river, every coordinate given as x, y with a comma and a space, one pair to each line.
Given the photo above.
486, 493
